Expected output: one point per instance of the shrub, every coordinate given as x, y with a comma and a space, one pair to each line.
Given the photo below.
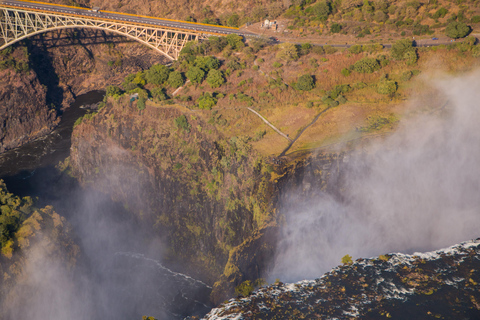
345, 72
217, 44
113, 91
304, 48
157, 74
182, 123
141, 103
335, 28
475, 19
329, 49
400, 47
206, 101
387, 87
440, 13
215, 78
176, 79
411, 57
277, 64
366, 65
360, 85
195, 74
322, 10
159, 94
317, 49
305, 83
457, 30
355, 49
235, 41
207, 63
288, 51
407, 75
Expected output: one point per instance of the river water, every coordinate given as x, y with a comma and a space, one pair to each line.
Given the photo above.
122, 276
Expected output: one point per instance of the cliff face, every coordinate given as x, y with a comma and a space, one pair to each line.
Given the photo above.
199, 192
24, 113
42, 76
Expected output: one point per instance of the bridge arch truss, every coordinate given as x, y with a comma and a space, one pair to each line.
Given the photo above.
18, 24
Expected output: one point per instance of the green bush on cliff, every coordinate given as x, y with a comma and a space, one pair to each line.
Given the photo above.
347, 259
244, 289
13, 211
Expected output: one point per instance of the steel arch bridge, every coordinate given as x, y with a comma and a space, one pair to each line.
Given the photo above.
20, 23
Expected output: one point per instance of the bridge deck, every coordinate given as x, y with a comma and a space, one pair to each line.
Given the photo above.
123, 17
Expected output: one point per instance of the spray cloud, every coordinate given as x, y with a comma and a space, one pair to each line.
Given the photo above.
417, 190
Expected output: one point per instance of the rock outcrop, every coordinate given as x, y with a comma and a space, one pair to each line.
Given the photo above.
441, 284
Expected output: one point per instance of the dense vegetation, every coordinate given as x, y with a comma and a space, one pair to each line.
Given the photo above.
13, 212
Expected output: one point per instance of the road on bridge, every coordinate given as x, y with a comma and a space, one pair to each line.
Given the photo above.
122, 17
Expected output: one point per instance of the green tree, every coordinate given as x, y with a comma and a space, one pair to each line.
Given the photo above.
206, 101
157, 74
305, 83
347, 259
387, 87
176, 79
288, 51
139, 79
217, 44
401, 47
235, 41
366, 65
113, 91
159, 94
457, 30
195, 74
215, 78
207, 63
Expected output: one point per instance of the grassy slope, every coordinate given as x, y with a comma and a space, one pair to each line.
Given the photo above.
288, 109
